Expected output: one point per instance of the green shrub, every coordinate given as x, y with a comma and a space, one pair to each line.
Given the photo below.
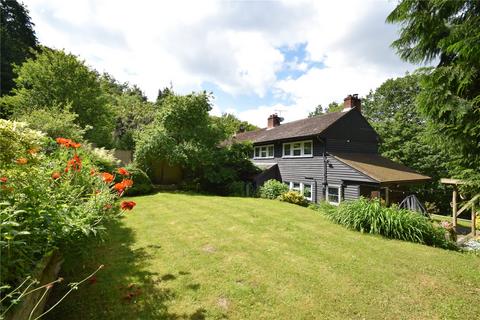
142, 184
392, 222
293, 197
272, 189
54, 122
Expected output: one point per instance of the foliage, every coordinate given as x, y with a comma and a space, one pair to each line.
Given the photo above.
272, 189
131, 110
50, 196
54, 78
18, 39
371, 216
181, 133
55, 122
103, 159
229, 164
406, 135
142, 185
332, 107
230, 125
16, 138
293, 197
446, 31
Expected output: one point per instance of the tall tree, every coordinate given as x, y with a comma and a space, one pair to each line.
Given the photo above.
332, 107
317, 112
447, 31
56, 78
391, 109
229, 124
17, 40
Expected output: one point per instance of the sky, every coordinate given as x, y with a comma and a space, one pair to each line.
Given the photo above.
256, 57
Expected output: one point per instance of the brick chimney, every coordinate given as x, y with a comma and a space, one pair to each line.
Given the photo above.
273, 121
352, 101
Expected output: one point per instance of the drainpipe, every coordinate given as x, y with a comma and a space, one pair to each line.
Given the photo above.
325, 164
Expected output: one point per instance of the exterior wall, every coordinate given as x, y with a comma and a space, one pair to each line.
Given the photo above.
352, 133
311, 170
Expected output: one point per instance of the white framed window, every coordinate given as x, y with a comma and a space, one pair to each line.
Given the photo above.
263, 152
302, 188
298, 149
332, 195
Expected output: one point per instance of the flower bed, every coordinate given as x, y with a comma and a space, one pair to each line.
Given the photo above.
52, 195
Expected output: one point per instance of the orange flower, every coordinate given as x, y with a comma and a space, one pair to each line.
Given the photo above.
127, 205
21, 160
123, 172
33, 151
92, 171
119, 187
127, 183
75, 163
55, 175
4, 179
68, 143
107, 177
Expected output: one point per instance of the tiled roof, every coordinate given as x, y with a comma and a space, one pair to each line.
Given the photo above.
295, 129
379, 168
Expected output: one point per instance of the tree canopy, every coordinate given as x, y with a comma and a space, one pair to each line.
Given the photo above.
18, 39
229, 124
447, 32
54, 78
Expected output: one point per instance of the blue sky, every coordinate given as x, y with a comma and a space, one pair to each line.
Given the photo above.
257, 57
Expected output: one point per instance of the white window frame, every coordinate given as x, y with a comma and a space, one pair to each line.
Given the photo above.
302, 149
301, 188
266, 146
339, 188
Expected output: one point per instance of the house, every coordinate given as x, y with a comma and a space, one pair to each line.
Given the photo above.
331, 157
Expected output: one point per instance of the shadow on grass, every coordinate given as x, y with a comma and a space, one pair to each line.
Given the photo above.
123, 289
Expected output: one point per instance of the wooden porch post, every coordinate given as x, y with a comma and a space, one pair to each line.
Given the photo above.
387, 196
454, 207
474, 222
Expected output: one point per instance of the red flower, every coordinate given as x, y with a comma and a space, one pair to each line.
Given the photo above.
127, 205
107, 177
63, 141
56, 175
92, 171
21, 160
123, 172
75, 145
4, 179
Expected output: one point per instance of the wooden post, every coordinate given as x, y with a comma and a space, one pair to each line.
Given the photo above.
474, 220
454, 207
387, 197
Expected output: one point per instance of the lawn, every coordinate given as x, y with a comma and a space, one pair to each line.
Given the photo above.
179, 256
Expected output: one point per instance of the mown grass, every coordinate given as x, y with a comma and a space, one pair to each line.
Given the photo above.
194, 257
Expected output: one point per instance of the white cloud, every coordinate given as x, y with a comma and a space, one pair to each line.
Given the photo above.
234, 45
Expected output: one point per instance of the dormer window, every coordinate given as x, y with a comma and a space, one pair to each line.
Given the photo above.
264, 152
298, 149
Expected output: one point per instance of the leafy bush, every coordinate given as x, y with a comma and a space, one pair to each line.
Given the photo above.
272, 189
142, 185
293, 197
371, 217
102, 158
50, 197
54, 122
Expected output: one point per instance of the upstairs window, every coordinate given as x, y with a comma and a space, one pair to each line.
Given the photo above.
263, 152
298, 149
